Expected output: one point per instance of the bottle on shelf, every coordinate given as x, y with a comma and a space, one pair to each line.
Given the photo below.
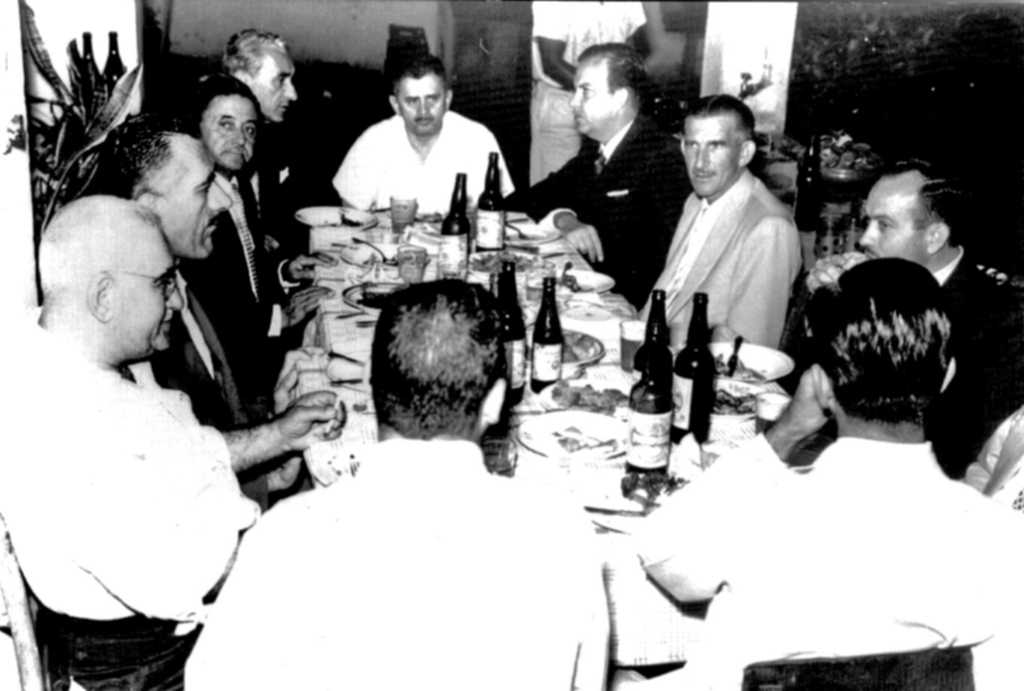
693, 386
513, 333
490, 212
650, 413
547, 341
114, 68
94, 92
453, 254
657, 335
808, 189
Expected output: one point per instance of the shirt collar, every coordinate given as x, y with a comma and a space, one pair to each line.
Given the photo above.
943, 274
419, 461
609, 147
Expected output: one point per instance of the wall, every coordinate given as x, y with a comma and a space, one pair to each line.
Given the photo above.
352, 31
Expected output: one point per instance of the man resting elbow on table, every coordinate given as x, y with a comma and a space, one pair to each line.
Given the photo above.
128, 513
619, 199
422, 570
870, 550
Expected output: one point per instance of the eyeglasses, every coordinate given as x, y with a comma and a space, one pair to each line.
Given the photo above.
166, 283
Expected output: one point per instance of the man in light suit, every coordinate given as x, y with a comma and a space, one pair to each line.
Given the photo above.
735, 241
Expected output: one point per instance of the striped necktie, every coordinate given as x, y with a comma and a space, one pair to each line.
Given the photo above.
599, 163
242, 225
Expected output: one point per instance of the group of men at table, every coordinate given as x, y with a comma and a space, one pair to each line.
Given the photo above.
173, 283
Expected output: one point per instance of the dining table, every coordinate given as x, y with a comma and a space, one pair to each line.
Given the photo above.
648, 626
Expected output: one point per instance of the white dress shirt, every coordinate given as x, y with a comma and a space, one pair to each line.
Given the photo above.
873, 549
422, 571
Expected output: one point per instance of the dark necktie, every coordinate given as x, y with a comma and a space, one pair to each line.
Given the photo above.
599, 163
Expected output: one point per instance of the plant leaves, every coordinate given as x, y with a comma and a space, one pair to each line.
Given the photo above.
117, 107
40, 56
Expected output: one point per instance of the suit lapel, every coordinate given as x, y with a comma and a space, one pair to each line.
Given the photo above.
722, 234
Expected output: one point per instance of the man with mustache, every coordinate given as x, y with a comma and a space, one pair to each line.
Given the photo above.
417, 153
735, 241
241, 284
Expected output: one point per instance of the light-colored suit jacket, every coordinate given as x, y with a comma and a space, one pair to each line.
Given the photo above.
747, 265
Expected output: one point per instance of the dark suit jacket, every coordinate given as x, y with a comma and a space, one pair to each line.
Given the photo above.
635, 203
221, 282
988, 343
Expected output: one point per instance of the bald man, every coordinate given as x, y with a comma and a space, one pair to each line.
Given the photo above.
128, 514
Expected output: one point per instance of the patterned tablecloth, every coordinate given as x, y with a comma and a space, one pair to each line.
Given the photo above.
648, 626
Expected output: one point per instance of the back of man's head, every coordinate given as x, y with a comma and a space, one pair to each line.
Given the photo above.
436, 356
941, 198
881, 336
245, 50
137, 149
417, 68
626, 69
724, 104
88, 236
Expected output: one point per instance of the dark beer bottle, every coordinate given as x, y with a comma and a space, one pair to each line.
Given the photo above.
453, 254
657, 335
513, 332
808, 189
114, 68
693, 387
547, 341
650, 412
94, 92
490, 213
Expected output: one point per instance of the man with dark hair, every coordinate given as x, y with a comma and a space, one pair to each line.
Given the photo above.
735, 241
619, 198
242, 283
417, 153
916, 212
128, 516
890, 555
423, 553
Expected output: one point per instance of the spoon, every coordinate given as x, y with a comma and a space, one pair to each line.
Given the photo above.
519, 232
379, 251
734, 359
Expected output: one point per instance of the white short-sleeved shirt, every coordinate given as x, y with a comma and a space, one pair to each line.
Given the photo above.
382, 164
581, 25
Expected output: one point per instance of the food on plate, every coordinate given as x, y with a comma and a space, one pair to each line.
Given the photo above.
578, 347
565, 395
491, 262
728, 404
346, 222
429, 218
743, 373
838, 150
573, 440
647, 487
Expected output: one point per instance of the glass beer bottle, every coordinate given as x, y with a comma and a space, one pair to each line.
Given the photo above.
693, 386
650, 413
490, 213
114, 68
453, 254
657, 335
547, 341
513, 332
807, 213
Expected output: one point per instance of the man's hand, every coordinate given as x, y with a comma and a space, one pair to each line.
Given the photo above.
581, 236
302, 267
302, 303
284, 476
288, 379
805, 414
311, 418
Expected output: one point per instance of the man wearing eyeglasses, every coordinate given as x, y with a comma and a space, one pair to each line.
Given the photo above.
128, 513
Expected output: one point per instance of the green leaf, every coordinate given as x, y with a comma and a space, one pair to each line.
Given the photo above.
117, 107
37, 51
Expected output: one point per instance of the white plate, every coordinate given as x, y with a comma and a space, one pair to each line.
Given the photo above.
336, 217
361, 254
530, 235
588, 346
353, 296
602, 437
770, 363
587, 313
547, 401
592, 280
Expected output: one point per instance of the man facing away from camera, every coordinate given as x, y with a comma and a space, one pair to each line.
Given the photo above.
423, 570
870, 550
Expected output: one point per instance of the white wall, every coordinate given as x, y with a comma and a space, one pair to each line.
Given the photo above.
353, 31
60, 21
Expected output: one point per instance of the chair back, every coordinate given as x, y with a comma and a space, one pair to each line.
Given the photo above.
16, 600
949, 669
